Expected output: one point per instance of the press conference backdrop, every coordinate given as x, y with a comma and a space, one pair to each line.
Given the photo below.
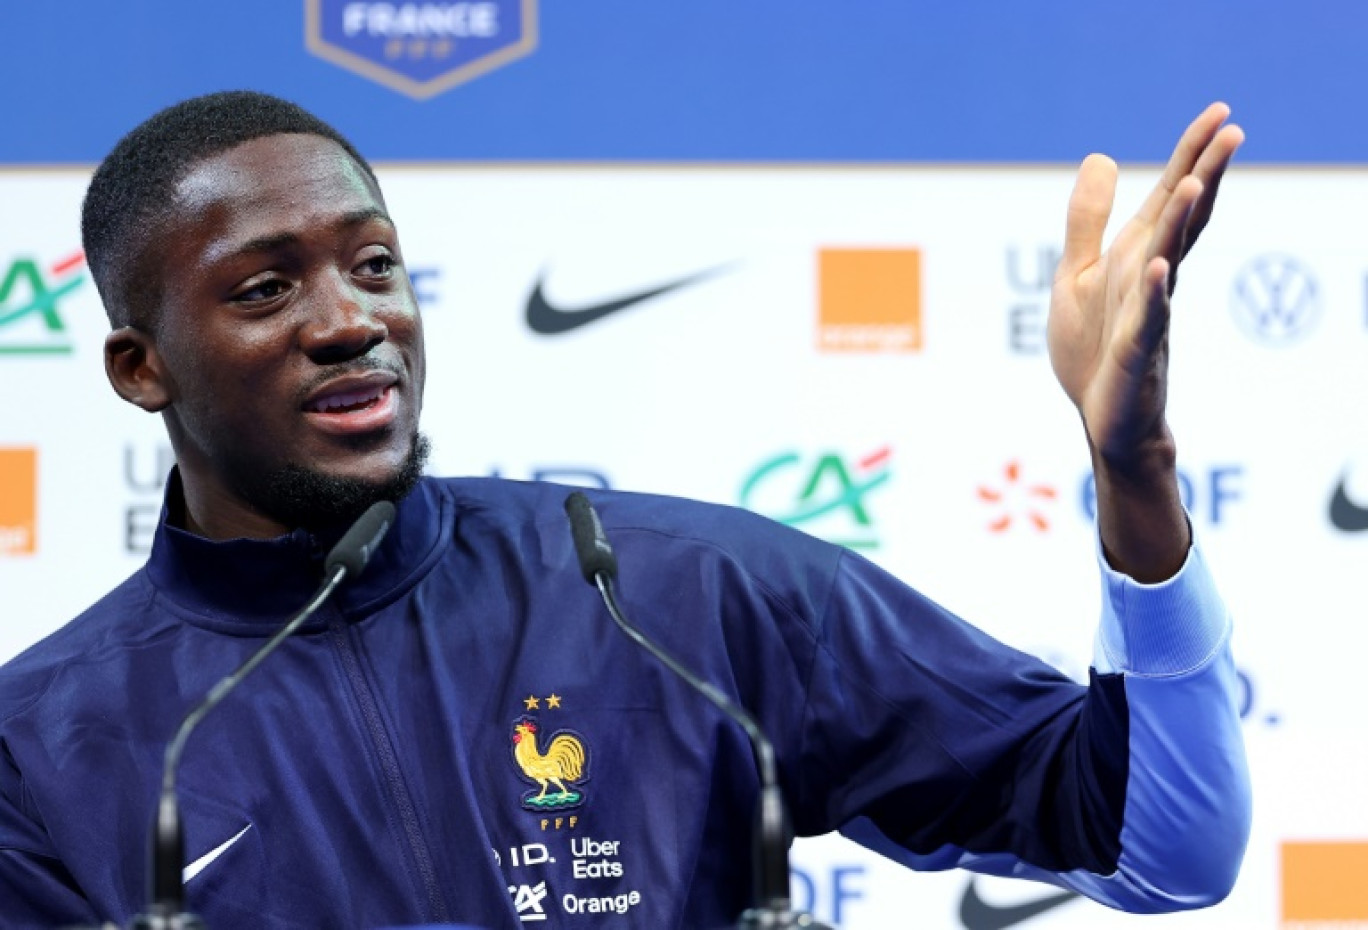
855, 210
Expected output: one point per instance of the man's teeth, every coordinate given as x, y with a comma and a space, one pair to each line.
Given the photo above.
349, 400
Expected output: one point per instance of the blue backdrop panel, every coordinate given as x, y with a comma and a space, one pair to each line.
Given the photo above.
764, 80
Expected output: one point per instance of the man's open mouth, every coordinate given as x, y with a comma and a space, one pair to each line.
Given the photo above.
353, 405
348, 401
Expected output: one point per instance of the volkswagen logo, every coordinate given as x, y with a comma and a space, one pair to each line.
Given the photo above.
1275, 300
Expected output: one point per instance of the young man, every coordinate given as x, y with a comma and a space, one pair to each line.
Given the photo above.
459, 735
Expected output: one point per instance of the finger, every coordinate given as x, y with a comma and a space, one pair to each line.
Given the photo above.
1168, 239
1144, 322
1090, 207
1150, 325
1193, 143
1210, 170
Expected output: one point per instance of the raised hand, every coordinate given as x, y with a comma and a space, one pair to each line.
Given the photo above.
1109, 325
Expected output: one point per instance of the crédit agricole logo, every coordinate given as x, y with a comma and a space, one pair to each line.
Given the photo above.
824, 494
30, 304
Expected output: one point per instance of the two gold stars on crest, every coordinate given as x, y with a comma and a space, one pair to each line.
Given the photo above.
534, 703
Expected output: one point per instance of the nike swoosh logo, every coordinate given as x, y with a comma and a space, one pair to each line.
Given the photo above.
978, 914
200, 864
546, 319
1344, 513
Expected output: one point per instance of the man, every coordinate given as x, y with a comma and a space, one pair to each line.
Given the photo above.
461, 735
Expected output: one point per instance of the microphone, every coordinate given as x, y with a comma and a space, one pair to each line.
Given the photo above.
346, 560
774, 910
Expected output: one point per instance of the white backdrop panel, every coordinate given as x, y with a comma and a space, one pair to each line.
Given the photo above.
693, 391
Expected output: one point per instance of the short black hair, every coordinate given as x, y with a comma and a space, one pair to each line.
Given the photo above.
130, 193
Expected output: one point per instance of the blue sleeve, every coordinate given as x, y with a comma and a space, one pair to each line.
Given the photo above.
1133, 791
35, 887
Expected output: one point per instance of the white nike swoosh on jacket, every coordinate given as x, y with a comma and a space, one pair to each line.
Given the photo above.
203, 861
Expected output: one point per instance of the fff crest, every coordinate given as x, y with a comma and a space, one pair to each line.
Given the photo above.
555, 767
420, 49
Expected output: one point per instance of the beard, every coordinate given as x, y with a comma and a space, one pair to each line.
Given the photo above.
298, 496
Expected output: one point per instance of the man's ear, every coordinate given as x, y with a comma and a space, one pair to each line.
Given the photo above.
135, 369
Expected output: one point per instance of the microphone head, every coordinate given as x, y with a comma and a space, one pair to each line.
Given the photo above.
591, 543
359, 543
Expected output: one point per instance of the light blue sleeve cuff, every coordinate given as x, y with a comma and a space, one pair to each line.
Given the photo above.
1158, 630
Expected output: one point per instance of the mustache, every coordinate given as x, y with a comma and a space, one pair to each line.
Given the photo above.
355, 366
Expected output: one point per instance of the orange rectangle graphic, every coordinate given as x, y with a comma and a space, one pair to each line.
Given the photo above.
869, 300
18, 501
1325, 881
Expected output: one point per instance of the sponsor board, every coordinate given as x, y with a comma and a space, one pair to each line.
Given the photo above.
869, 300
1348, 513
1030, 275
580, 476
1207, 493
548, 318
1276, 300
145, 469
1323, 886
1014, 501
825, 494
30, 301
18, 501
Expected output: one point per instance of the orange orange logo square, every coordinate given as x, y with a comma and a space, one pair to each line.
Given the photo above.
869, 300
1323, 884
18, 501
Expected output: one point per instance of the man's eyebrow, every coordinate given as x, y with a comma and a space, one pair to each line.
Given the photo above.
281, 240
357, 217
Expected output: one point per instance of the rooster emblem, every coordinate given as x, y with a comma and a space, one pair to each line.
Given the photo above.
563, 761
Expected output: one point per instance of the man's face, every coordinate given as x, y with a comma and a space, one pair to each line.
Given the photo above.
289, 332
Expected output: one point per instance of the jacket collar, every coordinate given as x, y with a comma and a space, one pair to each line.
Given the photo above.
252, 586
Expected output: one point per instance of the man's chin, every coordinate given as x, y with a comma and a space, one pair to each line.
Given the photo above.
299, 496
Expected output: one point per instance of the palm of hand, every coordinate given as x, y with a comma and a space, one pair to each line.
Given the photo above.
1113, 370
1109, 311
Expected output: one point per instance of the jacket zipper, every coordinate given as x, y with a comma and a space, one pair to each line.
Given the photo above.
389, 764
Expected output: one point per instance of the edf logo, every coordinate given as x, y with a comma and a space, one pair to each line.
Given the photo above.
1207, 495
826, 893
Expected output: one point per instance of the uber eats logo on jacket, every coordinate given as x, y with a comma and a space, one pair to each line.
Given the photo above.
30, 305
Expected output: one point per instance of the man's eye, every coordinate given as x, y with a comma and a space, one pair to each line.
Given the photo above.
263, 291
378, 266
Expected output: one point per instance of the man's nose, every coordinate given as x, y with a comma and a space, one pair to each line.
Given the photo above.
342, 325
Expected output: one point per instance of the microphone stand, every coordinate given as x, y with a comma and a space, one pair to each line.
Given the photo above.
167, 911
773, 834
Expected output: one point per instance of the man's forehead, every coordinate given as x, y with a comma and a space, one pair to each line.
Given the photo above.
292, 169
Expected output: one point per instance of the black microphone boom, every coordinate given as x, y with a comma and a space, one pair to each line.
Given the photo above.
347, 559
354, 550
591, 543
599, 567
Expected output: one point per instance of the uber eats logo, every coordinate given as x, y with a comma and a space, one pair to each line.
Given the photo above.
31, 305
